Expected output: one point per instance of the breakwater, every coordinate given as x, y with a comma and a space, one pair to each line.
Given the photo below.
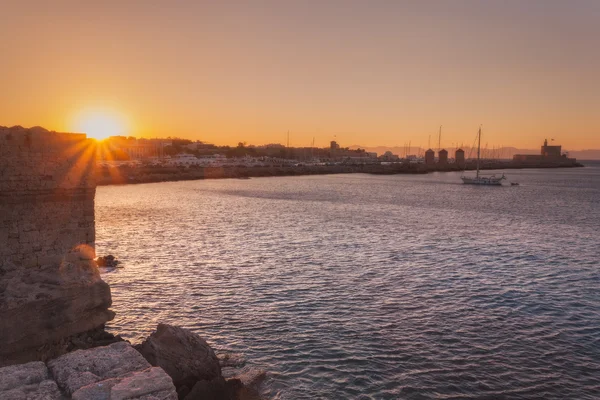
127, 174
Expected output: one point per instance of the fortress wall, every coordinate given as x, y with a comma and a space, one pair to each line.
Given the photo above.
46, 195
50, 287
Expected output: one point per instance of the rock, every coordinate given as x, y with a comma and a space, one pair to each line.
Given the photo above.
108, 261
151, 383
184, 355
94, 338
182, 391
24, 374
227, 360
252, 377
251, 380
215, 389
27, 381
40, 307
80, 368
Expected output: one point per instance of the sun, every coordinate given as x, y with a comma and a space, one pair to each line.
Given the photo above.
99, 124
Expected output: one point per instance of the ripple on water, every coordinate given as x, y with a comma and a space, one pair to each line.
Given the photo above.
371, 287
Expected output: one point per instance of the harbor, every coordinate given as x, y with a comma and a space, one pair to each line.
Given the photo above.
335, 161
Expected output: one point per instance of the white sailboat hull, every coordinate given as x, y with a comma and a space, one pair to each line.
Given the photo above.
483, 180
478, 179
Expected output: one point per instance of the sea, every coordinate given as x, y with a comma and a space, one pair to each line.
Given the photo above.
363, 286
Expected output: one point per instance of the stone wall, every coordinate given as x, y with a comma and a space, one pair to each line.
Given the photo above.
50, 287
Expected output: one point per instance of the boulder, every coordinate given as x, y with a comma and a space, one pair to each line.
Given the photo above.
184, 355
27, 381
252, 377
81, 368
151, 383
108, 261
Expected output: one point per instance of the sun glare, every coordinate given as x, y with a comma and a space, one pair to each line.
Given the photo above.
99, 125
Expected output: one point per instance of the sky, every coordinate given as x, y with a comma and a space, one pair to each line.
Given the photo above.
376, 72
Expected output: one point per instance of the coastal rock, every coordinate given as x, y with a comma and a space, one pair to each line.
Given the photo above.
184, 355
93, 338
228, 360
27, 381
40, 307
151, 383
80, 368
108, 261
215, 389
252, 377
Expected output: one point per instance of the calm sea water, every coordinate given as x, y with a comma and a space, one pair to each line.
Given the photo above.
371, 287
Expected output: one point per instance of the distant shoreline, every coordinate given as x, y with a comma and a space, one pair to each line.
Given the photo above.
150, 174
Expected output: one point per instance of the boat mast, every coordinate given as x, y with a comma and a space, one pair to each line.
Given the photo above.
478, 150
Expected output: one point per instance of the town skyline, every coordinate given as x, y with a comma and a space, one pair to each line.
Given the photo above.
367, 74
406, 148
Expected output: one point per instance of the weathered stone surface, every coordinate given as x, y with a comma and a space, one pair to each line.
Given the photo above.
80, 368
151, 383
27, 382
24, 374
49, 284
40, 306
184, 355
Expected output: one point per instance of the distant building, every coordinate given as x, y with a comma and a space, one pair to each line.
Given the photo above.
548, 154
389, 156
459, 157
184, 159
551, 151
443, 156
334, 146
198, 145
132, 148
429, 157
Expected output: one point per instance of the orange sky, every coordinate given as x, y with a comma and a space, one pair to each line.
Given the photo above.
363, 72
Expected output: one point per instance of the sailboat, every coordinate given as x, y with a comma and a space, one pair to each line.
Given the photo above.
479, 179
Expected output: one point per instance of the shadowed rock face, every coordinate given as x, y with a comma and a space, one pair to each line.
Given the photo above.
184, 355
40, 307
50, 287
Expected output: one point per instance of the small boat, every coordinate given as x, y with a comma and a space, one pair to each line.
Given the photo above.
478, 179
491, 180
